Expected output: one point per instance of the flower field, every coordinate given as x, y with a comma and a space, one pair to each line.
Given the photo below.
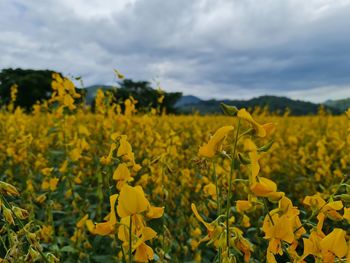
114, 185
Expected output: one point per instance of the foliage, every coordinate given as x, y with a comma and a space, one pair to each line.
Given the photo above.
341, 105
273, 104
33, 86
146, 96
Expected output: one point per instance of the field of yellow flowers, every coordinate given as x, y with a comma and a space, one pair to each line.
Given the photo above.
116, 186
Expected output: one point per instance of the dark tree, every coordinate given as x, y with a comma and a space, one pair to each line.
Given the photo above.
146, 95
33, 86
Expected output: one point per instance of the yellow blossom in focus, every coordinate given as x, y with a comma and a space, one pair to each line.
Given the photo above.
131, 201
245, 115
335, 242
213, 146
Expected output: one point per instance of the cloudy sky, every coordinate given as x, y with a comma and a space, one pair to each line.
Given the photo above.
211, 49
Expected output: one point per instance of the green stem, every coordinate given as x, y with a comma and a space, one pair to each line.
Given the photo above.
163, 218
50, 217
130, 239
3, 243
228, 203
217, 188
99, 194
337, 189
115, 209
217, 199
267, 211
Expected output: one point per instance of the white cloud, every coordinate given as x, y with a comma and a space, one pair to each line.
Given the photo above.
223, 49
321, 94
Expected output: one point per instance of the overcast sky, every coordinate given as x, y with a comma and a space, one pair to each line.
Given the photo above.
211, 49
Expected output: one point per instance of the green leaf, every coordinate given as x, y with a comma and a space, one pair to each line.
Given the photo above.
244, 160
68, 249
266, 147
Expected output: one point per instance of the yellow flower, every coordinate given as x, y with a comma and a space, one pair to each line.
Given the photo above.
82, 221
125, 151
124, 147
124, 224
270, 258
63, 167
45, 233
346, 214
113, 216
41, 199
259, 129
242, 244
7, 215
269, 128
243, 206
83, 130
196, 232
53, 183
280, 230
20, 213
103, 229
131, 201
266, 188
122, 175
315, 201
8, 189
68, 101
122, 172
50, 184
335, 242
144, 253
312, 244
155, 212
90, 226
331, 208
75, 154
46, 171
210, 190
210, 228
140, 234
160, 99
250, 146
245, 221
210, 149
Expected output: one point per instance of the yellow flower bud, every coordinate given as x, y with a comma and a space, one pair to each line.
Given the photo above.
8, 189
8, 215
20, 213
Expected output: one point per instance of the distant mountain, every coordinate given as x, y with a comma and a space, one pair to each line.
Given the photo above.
189, 104
187, 100
341, 105
274, 104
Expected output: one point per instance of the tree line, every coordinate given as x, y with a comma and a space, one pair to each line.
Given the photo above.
35, 86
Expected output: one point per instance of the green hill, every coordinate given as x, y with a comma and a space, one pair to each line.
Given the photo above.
342, 105
274, 104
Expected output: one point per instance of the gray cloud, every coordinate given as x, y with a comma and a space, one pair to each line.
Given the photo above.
222, 49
